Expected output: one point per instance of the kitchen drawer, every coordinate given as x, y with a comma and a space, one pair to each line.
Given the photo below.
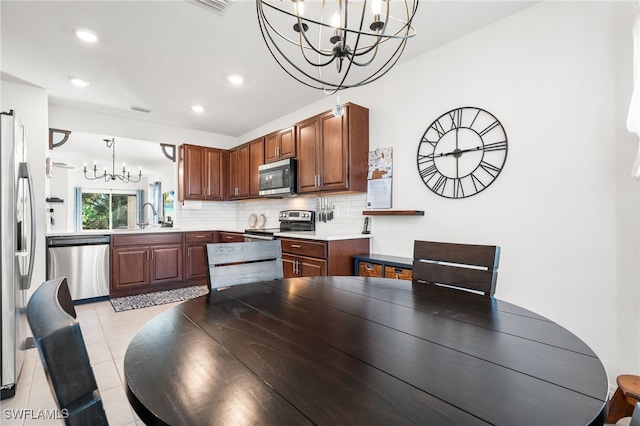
231, 237
304, 247
397, 273
368, 269
199, 237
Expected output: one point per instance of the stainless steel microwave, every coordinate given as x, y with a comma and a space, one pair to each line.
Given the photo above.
278, 179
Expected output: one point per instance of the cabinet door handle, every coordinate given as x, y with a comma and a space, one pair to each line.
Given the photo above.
295, 246
277, 151
199, 236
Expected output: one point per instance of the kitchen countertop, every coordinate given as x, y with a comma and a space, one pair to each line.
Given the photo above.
309, 235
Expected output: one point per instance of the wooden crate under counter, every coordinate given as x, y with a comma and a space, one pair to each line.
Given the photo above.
383, 266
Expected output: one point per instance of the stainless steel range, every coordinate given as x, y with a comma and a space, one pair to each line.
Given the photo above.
290, 221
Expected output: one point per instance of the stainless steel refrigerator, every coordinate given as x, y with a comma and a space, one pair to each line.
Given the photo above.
17, 244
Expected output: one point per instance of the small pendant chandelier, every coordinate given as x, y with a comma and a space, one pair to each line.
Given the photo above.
125, 176
335, 45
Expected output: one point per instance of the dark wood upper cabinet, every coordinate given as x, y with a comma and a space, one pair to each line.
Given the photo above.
201, 173
280, 145
256, 159
332, 152
239, 172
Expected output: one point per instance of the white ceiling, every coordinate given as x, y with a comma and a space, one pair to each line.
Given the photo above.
168, 55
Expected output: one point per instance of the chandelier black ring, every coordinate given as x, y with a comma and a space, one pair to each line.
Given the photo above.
345, 39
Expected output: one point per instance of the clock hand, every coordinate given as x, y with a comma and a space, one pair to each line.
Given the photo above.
459, 152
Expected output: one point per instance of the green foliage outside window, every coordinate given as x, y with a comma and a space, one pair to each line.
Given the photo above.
95, 211
105, 211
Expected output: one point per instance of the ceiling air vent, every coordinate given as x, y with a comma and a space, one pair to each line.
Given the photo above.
218, 6
141, 109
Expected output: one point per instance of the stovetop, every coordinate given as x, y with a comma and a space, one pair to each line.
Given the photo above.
290, 221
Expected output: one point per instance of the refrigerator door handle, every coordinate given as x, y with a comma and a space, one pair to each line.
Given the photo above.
25, 173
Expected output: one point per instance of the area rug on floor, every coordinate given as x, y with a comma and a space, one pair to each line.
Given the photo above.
127, 303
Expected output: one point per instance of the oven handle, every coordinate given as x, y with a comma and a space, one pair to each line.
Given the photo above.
252, 237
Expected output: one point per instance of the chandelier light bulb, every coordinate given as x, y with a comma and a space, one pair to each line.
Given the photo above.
335, 20
376, 7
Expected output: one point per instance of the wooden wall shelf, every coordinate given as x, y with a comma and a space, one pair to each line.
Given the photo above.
393, 212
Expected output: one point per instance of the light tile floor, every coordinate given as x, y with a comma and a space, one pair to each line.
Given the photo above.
106, 334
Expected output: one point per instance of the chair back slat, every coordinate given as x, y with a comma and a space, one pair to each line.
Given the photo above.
64, 355
231, 264
463, 266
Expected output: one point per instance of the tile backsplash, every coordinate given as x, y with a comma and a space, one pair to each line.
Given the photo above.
234, 215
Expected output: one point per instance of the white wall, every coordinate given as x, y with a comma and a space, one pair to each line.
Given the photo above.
565, 209
30, 106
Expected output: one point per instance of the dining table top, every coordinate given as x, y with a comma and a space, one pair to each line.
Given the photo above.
360, 351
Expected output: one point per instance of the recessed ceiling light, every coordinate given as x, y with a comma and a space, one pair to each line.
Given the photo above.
78, 82
235, 79
86, 35
197, 108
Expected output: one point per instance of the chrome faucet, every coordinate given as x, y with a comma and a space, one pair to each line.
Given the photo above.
155, 213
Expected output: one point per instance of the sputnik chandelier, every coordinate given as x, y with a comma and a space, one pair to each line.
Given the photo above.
337, 44
125, 176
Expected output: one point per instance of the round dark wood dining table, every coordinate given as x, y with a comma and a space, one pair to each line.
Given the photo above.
359, 351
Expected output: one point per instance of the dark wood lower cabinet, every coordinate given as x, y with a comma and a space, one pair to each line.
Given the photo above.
303, 266
313, 258
142, 263
166, 264
129, 268
195, 267
146, 262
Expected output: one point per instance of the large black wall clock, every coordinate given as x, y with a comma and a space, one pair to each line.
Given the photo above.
462, 152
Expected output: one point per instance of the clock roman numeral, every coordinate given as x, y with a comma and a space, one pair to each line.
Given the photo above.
489, 128
428, 172
458, 189
437, 126
496, 146
456, 118
422, 159
432, 143
477, 183
440, 184
489, 168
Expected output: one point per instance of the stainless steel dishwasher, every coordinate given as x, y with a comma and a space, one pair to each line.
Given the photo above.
84, 260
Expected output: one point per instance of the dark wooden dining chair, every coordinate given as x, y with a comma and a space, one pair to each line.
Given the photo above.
230, 264
469, 267
624, 399
57, 336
